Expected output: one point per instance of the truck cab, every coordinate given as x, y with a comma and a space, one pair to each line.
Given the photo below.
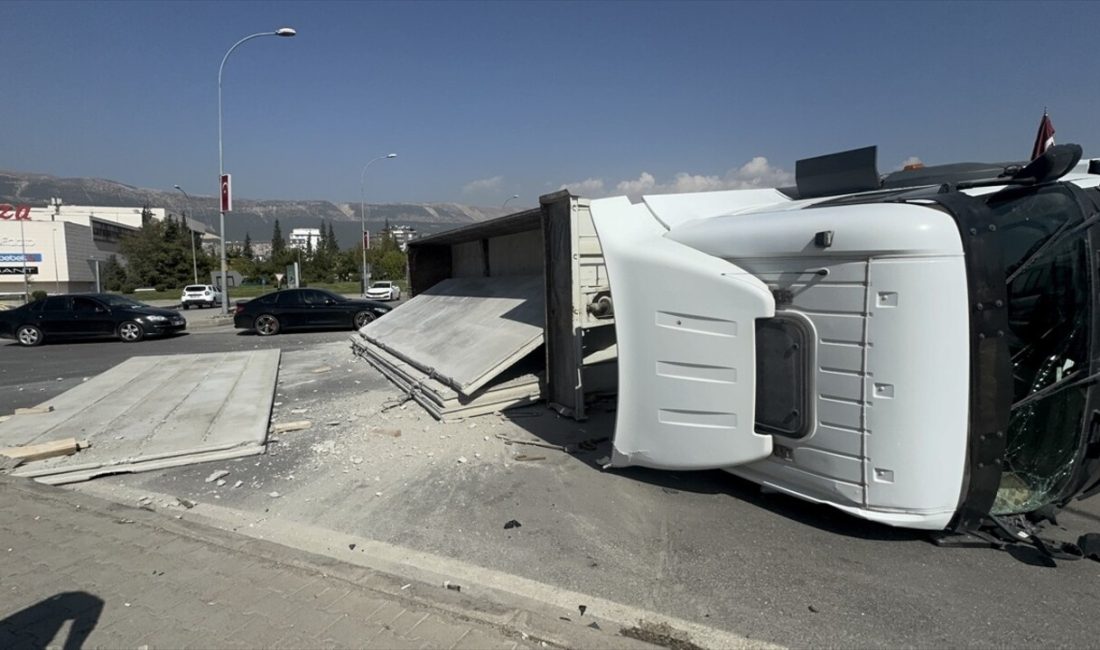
915, 349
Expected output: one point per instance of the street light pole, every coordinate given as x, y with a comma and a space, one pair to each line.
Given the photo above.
514, 196
363, 217
191, 234
282, 31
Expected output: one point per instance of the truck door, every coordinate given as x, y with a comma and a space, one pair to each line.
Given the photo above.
685, 328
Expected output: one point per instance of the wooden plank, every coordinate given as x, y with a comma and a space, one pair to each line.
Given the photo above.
43, 450
34, 410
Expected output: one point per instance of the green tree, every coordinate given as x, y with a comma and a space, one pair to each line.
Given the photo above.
247, 250
278, 244
158, 255
112, 274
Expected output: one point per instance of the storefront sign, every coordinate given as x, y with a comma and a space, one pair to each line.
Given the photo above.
9, 212
20, 257
18, 270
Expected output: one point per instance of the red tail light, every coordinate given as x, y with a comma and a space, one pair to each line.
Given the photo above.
239, 309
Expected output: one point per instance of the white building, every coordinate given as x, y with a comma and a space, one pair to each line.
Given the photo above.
59, 249
304, 238
403, 235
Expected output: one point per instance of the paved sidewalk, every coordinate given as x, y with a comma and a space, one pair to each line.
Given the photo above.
79, 572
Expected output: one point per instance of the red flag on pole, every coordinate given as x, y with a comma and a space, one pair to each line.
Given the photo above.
1045, 138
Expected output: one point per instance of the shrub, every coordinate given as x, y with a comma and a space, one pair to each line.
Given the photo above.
37, 295
128, 287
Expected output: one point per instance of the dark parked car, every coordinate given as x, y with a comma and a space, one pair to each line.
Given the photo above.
301, 308
87, 316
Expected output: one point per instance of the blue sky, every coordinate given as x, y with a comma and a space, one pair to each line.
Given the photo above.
485, 100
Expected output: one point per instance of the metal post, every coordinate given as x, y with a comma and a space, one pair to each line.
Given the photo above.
365, 271
98, 286
285, 31
26, 281
191, 234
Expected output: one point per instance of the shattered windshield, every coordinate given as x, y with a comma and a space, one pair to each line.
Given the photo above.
1046, 262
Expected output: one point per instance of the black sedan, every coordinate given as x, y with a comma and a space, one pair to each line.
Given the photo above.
305, 308
87, 316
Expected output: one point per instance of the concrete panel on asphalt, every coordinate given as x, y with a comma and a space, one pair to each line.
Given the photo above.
465, 331
154, 412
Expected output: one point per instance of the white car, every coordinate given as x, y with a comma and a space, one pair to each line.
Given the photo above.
383, 290
201, 295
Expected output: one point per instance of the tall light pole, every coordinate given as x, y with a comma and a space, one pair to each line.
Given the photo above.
191, 234
282, 31
514, 196
363, 216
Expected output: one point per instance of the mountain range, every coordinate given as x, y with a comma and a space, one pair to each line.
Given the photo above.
256, 217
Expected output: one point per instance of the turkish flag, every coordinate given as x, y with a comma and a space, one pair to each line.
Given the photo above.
1044, 139
226, 193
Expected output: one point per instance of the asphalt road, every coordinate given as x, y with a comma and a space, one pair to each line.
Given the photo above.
705, 547
29, 376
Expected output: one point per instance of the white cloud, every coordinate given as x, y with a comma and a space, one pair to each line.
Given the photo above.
589, 187
484, 185
643, 185
756, 173
911, 160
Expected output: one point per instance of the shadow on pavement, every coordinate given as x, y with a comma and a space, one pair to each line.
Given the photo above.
590, 443
37, 625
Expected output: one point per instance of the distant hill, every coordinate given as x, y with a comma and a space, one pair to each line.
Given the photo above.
256, 217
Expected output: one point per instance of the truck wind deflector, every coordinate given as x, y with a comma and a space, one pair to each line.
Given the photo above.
685, 329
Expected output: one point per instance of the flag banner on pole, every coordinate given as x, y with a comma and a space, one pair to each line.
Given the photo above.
226, 193
1044, 139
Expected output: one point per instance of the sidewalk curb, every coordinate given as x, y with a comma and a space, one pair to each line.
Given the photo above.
542, 611
523, 625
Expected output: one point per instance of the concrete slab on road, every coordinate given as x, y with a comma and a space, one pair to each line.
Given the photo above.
705, 550
154, 412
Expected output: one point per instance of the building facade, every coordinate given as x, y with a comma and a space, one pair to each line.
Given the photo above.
304, 238
60, 249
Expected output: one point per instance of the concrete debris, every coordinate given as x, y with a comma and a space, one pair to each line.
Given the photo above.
333, 423
220, 482
377, 494
297, 411
284, 427
356, 460
238, 484
217, 475
393, 433
461, 459
322, 369
325, 447
452, 586
186, 503
525, 457
512, 523
274, 495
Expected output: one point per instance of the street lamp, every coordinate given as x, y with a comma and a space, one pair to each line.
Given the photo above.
191, 234
363, 216
514, 196
282, 31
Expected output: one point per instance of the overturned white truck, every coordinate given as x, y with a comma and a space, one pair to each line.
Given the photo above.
918, 349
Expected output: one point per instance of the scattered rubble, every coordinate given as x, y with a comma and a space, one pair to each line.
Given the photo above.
512, 523
217, 475
284, 427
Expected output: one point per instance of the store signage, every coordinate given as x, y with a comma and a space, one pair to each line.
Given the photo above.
18, 270
9, 212
20, 257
